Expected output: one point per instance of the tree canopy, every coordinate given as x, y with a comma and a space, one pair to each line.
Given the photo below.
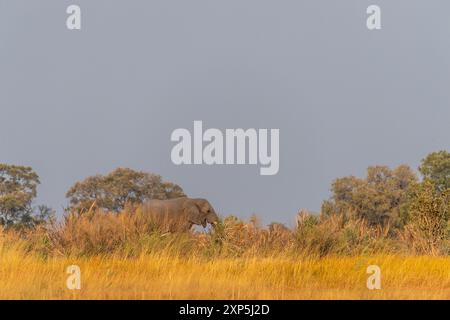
436, 168
376, 198
114, 190
18, 188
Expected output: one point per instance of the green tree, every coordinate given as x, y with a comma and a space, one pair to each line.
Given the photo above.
118, 188
428, 212
18, 189
377, 198
436, 168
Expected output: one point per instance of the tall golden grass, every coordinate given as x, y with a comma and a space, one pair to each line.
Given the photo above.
126, 256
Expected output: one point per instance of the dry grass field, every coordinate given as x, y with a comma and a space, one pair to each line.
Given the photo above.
171, 277
120, 258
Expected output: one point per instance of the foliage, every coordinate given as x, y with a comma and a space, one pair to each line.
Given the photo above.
18, 186
436, 168
131, 233
376, 198
428, 214
118, 188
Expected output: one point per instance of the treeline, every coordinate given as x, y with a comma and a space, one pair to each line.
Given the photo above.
398, 202
111, 192
396, 199
394, 196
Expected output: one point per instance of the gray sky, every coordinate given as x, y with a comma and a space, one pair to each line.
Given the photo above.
77, 103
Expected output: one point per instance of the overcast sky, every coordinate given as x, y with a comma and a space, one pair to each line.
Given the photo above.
77, 103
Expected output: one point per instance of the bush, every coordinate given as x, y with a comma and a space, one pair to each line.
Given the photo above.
377, 198
428, 214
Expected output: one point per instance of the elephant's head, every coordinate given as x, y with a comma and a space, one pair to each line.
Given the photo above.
200, 212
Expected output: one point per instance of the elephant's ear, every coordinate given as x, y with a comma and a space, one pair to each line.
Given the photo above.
192, 212
203, 205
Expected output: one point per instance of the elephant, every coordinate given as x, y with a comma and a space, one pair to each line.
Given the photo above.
180, 214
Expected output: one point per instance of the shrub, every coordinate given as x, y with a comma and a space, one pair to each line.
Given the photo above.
377, 198
428, 214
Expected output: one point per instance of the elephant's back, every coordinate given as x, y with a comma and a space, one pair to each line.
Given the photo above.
154, 206
169, 206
